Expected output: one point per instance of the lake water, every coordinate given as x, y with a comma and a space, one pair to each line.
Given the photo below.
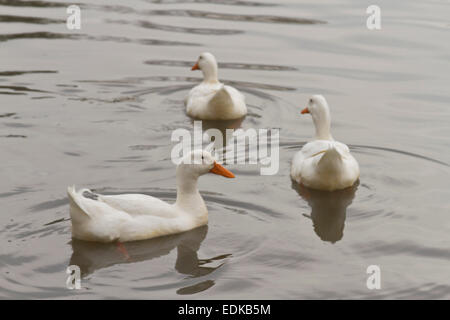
96, 108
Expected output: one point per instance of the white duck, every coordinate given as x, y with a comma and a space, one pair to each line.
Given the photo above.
212, 100
323, 163
129, 217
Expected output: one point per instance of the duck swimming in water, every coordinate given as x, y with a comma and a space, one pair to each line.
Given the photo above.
323, 164
211, 99
129, 217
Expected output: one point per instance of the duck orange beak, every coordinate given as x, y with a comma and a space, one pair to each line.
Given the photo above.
306, 110
195, 67
220, 170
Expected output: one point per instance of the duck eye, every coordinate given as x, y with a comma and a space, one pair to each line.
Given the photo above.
310, 100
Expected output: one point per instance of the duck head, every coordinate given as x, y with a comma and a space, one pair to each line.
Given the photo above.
200, 162
208, 65
320, 112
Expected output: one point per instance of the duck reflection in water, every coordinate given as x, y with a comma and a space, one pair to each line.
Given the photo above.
92, 256
328, 210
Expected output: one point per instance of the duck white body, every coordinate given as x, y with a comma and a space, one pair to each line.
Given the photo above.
212, 100
324, 163
130, 217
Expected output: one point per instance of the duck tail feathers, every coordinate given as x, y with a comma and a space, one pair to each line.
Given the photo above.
76, 205
222, 98
331, 156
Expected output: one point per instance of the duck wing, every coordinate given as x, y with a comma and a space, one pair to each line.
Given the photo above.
86, 204
139, 204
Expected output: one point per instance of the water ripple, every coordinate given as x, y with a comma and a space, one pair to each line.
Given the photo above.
36, 4
38, 35
233, 17
222, 2
21, 88
32, 20
18, 73
403, 247
162, 27
54, 36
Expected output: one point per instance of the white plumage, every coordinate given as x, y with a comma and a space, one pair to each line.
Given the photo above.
324, 163
212, 100
129, 217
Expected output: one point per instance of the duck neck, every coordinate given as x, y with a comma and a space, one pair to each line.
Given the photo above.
188, 196
322, 124
210, 74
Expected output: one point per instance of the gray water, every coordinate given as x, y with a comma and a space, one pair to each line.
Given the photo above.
96, 107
